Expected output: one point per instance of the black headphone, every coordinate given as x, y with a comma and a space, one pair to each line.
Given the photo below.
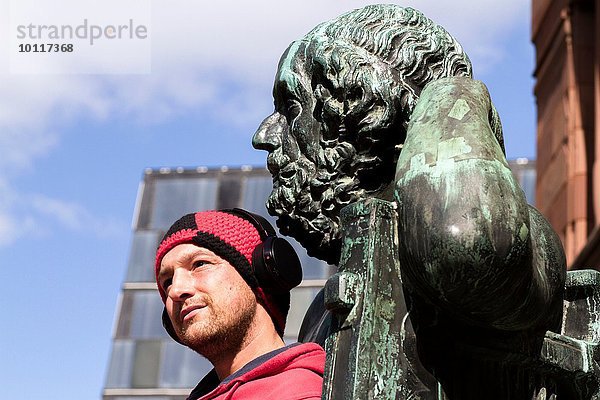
275, 263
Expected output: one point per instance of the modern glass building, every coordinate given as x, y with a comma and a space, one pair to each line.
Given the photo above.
145, 363
524, 170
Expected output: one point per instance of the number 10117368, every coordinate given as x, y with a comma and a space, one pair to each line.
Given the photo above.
45, 48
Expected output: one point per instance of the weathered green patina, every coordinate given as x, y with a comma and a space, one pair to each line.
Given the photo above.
464, 222
343, 95
372, 339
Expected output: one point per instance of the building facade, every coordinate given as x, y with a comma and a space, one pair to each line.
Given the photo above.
145, 363
566, 35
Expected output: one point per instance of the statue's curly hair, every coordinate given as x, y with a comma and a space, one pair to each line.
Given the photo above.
373, 62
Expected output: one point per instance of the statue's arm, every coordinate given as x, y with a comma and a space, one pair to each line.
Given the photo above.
469, 243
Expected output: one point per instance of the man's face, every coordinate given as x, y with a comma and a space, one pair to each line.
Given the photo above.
210, 305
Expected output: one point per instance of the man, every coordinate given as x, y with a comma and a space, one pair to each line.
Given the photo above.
225, 279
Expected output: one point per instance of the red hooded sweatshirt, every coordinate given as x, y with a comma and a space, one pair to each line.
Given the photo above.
293, 372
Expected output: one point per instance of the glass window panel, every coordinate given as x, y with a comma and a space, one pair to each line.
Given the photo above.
301, 297
181, 367
146, 314
229, 193
255, 194
146, 364
528, 183
141, 257
124, 324
526, 176
121, 362
174, 198
145, 196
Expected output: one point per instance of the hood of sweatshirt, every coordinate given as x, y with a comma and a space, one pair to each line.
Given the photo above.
294, 371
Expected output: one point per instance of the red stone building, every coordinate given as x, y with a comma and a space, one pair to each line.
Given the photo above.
566, 34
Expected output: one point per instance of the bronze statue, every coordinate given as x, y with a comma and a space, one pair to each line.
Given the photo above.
343, 96
388, 160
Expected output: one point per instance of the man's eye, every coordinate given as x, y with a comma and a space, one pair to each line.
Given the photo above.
199, 263
166, 283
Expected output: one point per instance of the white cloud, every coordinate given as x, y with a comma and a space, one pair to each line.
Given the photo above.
11, 227
37, 216
74, 217
20, 147
14, 224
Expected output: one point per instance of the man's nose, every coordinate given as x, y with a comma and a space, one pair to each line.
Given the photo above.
268, 135
182, 286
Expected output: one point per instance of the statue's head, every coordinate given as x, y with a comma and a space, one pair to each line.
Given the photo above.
343, 96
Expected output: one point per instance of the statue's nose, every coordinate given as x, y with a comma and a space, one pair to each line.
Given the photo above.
268, 135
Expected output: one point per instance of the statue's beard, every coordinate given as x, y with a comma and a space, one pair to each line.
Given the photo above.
307, 199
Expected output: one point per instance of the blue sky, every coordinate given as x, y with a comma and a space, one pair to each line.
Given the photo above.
74, 147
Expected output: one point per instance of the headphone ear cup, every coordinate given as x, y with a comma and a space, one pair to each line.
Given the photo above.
276, 265
166, 322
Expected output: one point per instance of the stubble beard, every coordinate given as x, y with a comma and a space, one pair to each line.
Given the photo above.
221, 333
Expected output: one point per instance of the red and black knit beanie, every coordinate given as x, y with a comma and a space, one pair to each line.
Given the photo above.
232, 238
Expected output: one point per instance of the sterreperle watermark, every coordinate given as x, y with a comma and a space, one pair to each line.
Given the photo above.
79, 36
